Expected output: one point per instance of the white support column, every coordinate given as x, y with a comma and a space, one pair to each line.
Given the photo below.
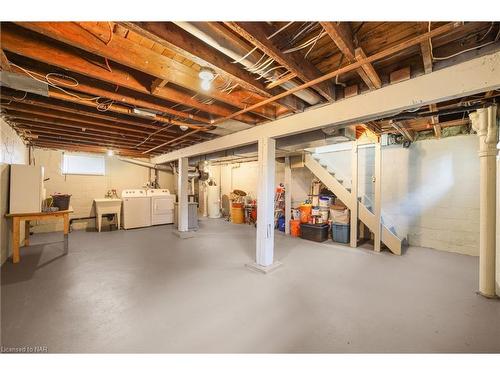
288, 194
182, 191
377, 233
354, 195
265, 208
484, 121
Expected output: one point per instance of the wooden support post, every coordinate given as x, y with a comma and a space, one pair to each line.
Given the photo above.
15, 239
182, 191
66, 232
27, 233
265, 212
377, 233
354, 195
288, 194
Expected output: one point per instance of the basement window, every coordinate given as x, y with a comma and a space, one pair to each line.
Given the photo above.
83, 165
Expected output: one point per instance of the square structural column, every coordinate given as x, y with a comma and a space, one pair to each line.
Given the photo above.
182, 191
264, 261
288, 194
377, 233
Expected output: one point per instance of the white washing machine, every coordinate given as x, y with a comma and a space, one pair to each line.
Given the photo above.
136, 211
162, 206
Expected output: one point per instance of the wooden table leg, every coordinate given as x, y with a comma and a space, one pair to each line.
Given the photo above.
16, 233
27, 233
66, 232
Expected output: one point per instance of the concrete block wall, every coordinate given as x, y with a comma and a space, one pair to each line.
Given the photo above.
430, 191
83, 189
12, 151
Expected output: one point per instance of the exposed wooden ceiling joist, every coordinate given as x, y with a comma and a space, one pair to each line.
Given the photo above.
20, 43
257, 33
135, 56
341, 34
173, 37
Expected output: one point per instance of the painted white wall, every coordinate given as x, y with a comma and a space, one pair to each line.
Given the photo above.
12, 151
83, 189
431, 191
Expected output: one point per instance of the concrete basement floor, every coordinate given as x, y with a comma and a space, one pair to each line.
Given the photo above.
146, 290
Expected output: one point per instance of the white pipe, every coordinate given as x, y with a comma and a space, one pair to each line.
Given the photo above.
146, 164
484, 120
204, 33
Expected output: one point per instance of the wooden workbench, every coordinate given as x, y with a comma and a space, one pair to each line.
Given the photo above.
27, 217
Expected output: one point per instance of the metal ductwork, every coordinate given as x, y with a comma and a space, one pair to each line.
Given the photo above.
204, 32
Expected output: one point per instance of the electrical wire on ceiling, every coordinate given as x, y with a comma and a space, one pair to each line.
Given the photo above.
48, 79
310, 42
279, 30
152, 134
434, 58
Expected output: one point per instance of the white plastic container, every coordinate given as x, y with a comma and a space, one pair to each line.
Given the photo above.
213, 198
324, 212
324, 201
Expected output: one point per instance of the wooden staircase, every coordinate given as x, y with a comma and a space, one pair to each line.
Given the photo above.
366, 216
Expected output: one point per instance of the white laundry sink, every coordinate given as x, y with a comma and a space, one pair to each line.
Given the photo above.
107, 206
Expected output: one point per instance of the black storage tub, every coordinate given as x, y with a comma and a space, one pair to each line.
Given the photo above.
314, 232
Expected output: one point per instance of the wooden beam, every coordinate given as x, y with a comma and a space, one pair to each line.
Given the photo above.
76, 112
75, 129
341, 34
257, 32
350, 91
435, 121
157, 84
19, 42
425, 50
180, 41
26, 114
368, 60
375, 82
40, 129
282, 80
102, 30
132, 55
4, 61
93, 90
80, 148
400, 75
476, 76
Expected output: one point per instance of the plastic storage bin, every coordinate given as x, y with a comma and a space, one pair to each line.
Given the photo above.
314, 232
341, 233
61, 201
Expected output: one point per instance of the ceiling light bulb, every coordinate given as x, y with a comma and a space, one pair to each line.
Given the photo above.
206, 74
183, 128
206, 85
110, 152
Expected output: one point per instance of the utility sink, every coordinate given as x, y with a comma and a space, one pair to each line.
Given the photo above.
107, 206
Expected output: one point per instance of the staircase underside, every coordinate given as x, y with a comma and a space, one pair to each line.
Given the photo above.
390, 239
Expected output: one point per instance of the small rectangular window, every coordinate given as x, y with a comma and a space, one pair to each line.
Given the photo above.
83, 164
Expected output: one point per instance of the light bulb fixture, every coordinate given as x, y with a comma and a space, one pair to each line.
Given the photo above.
110, 152
206, 74
206, 85
183, 128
